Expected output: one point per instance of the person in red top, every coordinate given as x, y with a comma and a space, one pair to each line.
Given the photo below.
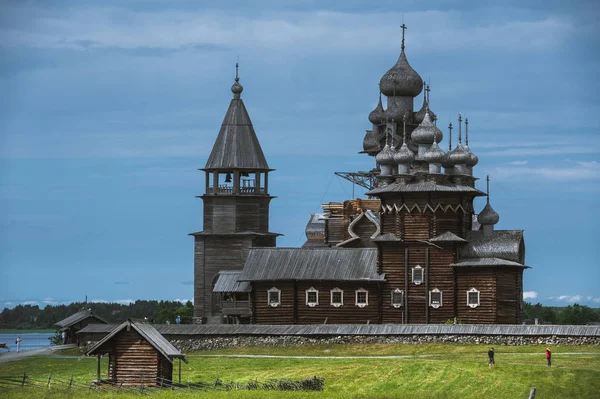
549, 357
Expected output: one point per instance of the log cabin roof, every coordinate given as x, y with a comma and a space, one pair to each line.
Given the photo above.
78, 317
315, 244
237, 146
316, 224
447, 237
340, 264
388, 237
227, 282
424, 187
503, 244
148, 332
477, 262
174, 330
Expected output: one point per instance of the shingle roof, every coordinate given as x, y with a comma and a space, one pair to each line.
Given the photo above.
469, 262
503, 244
148, 332
316, 224
227, 282
388, 237
349, 264
423, 187
237, 146
78, 317
447, 237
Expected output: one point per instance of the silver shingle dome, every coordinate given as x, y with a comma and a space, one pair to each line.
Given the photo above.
404, 155
401, 79
459, 156
426, 132
473, 159
385, 156
434, 154
376, 116
488, 216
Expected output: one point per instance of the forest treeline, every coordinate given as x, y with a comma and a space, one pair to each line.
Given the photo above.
25, 317
33, 317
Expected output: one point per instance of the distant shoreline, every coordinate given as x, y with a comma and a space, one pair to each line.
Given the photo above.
24, 331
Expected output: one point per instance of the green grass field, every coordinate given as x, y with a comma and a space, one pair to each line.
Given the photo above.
428, 370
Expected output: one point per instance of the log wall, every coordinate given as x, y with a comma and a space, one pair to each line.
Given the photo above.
484, 280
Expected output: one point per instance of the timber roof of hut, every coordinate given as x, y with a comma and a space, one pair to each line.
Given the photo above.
227, 282
388, 237
148, 332
78, 317
424, 187
237, 146
447, 237
468, 262
341, 264
503, 244
364, 329
315, 244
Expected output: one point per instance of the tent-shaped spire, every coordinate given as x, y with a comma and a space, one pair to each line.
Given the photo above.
237, 146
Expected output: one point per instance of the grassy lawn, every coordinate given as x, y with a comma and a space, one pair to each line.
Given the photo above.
440, 370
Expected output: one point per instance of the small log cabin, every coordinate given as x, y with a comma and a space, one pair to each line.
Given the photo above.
137, 355
414, 252
76, 322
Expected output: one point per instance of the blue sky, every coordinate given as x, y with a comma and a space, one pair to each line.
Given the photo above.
110, 107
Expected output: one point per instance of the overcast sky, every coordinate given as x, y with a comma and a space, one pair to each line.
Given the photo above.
108, 109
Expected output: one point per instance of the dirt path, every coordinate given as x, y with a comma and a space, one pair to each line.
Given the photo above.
13, 356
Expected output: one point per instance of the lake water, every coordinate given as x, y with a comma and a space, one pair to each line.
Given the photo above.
29, 341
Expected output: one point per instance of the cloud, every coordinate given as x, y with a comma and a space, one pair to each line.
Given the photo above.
125, 301
183, 301
576, 298
530, 295
518, 163
596, 300
83, 28
585, 171
121, 282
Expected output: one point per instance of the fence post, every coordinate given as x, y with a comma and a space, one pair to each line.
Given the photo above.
532, 393
50, 376
71, 381
24, 378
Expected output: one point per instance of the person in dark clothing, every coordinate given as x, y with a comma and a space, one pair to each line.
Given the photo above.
549, 357
491, 358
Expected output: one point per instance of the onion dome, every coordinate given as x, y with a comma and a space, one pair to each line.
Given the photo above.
459, 156
237, 88
434, 154
426, 132
385, 156
488, 216
376, 116
401, 79
404, 155
474, 159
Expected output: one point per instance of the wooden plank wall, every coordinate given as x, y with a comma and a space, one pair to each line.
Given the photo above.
507, 291
441, 276
266, 314
133, 360
484, 280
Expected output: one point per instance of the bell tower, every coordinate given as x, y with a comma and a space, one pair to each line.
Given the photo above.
236, 205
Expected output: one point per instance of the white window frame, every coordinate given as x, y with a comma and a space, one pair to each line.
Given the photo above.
436, 305
337, 304
310, 290
418, 282
396, 304
472, 291
366, 303
274, 304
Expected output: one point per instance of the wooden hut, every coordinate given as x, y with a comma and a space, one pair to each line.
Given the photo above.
137, 355
76, 322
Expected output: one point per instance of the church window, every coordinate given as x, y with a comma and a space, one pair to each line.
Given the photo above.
362, 298
435, 298
397, 298
473, 296
274, 296
312, 297
417, 275
337, 297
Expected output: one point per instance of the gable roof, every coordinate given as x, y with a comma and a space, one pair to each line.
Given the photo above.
237, 146
348, 264
149, 333
78, 317
503, 244
468, 262
227, 282
447, 237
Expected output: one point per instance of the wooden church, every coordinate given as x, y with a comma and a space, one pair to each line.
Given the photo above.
414, 252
